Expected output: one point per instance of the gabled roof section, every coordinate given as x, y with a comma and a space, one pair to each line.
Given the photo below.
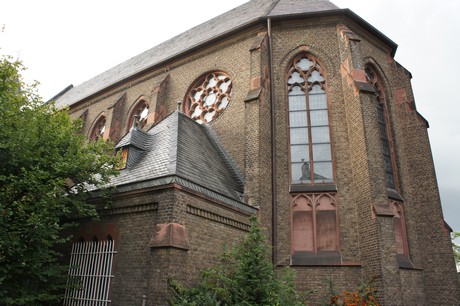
239, 17
178, 150
230, 22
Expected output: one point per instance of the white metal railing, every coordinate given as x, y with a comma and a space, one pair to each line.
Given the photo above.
90, 273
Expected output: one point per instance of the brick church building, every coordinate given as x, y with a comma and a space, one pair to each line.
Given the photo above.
292, 111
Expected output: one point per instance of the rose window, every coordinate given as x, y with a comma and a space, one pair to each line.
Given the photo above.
209, 97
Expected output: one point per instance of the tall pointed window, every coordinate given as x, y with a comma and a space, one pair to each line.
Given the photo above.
310, 144
384, 128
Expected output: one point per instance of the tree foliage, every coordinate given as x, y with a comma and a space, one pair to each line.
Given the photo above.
244, 277
45, 168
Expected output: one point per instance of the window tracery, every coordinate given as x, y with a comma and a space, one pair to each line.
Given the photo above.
209, 97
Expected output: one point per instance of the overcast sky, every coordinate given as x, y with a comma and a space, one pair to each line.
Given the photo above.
69, 42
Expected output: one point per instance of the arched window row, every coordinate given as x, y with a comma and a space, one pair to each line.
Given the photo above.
309, 132
206, 99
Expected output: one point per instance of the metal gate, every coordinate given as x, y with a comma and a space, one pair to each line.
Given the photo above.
90, 273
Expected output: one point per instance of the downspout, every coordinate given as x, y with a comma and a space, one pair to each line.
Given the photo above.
273, 150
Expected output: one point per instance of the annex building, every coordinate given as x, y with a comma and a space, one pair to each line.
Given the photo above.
292, 111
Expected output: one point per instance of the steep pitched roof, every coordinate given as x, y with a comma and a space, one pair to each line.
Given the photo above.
228, 22
179, 150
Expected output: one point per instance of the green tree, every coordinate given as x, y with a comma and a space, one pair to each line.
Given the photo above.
245, 277
45, 168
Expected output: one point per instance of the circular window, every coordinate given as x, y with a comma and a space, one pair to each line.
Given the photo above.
209, 97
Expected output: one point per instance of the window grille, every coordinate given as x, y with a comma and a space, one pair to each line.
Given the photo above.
90, 273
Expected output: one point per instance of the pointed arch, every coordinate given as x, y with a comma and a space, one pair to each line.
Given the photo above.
139, 111
98, 128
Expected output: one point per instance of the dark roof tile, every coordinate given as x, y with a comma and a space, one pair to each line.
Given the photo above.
179, 147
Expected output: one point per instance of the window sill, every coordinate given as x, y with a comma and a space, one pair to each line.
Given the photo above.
404, 262
320, 259
311, 188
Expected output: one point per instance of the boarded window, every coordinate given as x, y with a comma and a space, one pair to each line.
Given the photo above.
314, 229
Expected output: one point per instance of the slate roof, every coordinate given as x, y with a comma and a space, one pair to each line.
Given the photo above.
179, 150
228, 22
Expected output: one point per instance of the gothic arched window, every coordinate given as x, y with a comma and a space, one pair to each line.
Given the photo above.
140, 113
98, 129
309, 134
384, 128
208, 97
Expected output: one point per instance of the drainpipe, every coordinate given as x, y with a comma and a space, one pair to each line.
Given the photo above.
273, 150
